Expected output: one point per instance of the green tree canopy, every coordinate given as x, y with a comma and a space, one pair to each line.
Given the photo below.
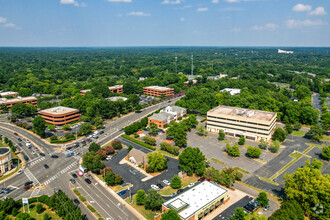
192, 160
170, 215
39, 126
176, 182
156, 162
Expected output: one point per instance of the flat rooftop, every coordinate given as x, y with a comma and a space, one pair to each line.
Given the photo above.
86, 90
191, 201
8, 93
116, 98
157, 87
115, 87
59, 110
243, 113
18, 99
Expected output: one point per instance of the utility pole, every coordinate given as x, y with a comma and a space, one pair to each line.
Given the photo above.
192, 64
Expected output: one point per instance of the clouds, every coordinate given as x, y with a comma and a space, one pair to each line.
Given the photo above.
266, 27
171, 2
215, 1
307, 8
5, 24
202, 9
304, 23
125, 1
182, 19
138, 13
301, 8
318, 11
72, 2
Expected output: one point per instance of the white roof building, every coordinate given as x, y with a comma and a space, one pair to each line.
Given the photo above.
232, 91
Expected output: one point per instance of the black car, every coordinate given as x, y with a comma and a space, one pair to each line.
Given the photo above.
101, 132
76, 201
74, 175
28, 183
88, 181
76, 145
26, 157
159, 185
180, 191
19, 139
46, 166
54, 156
42, 154
20, 144
83, 142
73, 181
68, 148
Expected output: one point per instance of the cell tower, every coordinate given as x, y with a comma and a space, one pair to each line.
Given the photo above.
192, 64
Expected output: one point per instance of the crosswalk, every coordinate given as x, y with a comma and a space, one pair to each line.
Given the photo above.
31, 177
35, 192
66, 169
33, 162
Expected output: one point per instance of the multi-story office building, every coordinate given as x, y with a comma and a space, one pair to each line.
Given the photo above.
158, 91
6, 94
113, 89
252, 124
5, 160
116, 89
197, 202
26, 100
167, 115
60, 115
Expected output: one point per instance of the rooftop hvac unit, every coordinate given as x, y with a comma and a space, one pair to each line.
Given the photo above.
19, 97
249, 114
239, 112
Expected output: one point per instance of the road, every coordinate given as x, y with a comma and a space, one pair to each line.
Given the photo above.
59, 172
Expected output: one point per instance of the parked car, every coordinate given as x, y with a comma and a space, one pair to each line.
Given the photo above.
28, 141
173, 194
159, 186
208, 179
20, 144
33, 152
191, 185
74, 175
88, 181
83, 142
122, 192
154, 187
54, 156
76, 144
266, 208
89, 176
73, 181
19, 139
101, 132
25, 157
76, 201
15, 134
80, 173
109, 157
201, 179
179, 191
166, 182
36, 148
168, 138
46, 166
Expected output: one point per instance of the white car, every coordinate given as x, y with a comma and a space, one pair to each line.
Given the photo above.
33, 152
27, 141
20, 171
154, 187
109, 158
191, 185
166, 182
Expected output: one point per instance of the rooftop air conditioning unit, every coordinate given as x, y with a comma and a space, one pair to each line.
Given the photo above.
251, 113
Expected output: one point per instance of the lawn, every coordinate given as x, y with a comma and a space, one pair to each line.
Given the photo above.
218, 161
184, 183
298, 133
33, 212
148, 214
295, 155
325, 138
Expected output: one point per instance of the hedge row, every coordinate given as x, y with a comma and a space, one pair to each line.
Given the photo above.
138, 142
169, 148
62, 141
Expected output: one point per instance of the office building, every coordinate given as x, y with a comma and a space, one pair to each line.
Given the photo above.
6, 163
198, 201
116, 89
167, 115
26, 100
83, 92
158, 91
6, 94
116, 98
60, 115
252, 124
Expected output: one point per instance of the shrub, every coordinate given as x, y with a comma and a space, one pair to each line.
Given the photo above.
176, 182
39, 208
116, 144
101, 153
274, 146
149, 140
129, 148
263, 144
66, 127
233, 151
156, 162
46, 217
109, 150
169, 148
140, 197
326, 153
241, 140
94, 147
53, 138
262, 199
138, 142
14, 212
69, 135
62, 141
136, 135
253, 152
222, 135
279, 135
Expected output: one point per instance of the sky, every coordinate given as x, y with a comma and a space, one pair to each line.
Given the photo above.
106, 23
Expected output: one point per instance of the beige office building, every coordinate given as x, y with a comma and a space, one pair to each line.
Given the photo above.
5, 160
252, 124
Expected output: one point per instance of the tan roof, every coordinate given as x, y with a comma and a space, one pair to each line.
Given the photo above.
18, 99
158, 87
115, 87
59, 110
243, 113
138, 155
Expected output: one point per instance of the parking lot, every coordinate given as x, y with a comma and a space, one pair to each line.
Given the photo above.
226, 214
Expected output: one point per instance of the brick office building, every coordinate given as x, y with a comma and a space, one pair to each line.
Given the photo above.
60, 115
113, 89
167, 115
6, 94
158, 91
26, 100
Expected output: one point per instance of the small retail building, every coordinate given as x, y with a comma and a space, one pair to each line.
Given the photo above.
26, 100
252, 124
6, 163
198, 201
158, 91
167, 115
137, 157
6, 94
60, 115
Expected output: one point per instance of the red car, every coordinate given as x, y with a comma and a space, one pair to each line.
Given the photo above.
15, 134
27, 187
201, 179
208, 179
168, 138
